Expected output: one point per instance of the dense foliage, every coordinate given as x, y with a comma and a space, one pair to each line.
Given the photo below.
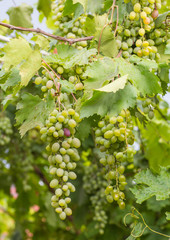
84, 127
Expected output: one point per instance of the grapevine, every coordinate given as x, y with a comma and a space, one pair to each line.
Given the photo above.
84, 121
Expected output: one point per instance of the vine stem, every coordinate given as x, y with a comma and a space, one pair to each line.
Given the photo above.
143, 220
38, 30
51, 69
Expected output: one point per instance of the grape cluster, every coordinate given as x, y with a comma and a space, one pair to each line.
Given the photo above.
5, 130
59, 132
139, 35
113, 136
148, 105
73, 30
94, 185
49, 81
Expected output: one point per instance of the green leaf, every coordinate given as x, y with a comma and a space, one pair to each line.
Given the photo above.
21, 16
165, 57
157, 147
160, 19
12, 79
69, 56
33, 111
143, 62
157, 206
108, 45
30, 67
99, 72
66, 86
44, 6
149, 184
85, 126
144, 80
112, 103
16, 51
90, 26
70, 8
42, 41
167, 215
92, 6
114, 86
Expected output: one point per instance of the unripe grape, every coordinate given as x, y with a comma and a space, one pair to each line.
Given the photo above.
155, 14
72, 123
60, 70
72, 175
38, 80
54, 183
60, 172
55, 147
146, 20
58, 192
132, 15
141, 31
62, 216
58, 210
68, 211
143, 15
137, 7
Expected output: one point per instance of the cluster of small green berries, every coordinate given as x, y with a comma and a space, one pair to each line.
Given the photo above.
148, 106
94, 184
138, 35
5, 130
49, 81
59, 132
113, 137
74, 30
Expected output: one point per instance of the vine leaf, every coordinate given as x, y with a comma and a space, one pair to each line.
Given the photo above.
144, 80
114, 86
157, 147
143, 62
33, 111
44, 6
69, 56
19, 53
90, 5
99, 72
102, 103
21, 15
149, 184
29, 68
10, 79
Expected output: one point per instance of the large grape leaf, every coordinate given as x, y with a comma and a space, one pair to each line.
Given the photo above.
102, 103
19, 53
143, 62
157, 147
144, 80
33, 111
21, 15
10, 79
30, 67
90, 5
44, 6
149, 184
16, 50
69, 56
99, 72
115, 85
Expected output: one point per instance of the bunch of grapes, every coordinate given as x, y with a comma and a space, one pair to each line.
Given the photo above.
139, 35
50, 82
72, 30
148, 105
5, 130
94, 184
59, 132
113, 137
